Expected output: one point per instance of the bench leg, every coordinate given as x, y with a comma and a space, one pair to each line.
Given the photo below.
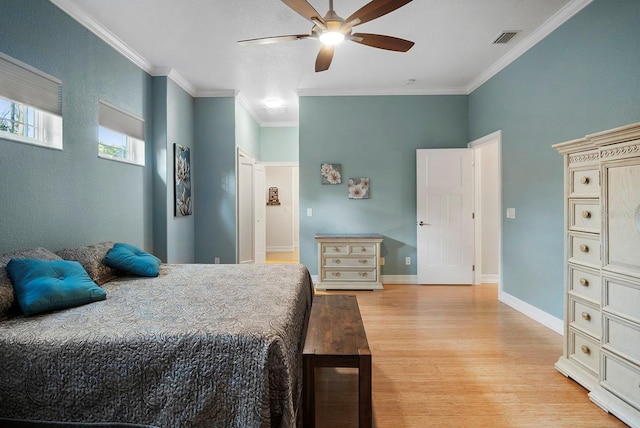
308, 391
364, 391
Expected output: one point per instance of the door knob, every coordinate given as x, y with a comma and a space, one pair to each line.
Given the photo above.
422, 223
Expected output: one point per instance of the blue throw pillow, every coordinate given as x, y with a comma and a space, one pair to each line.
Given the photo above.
49, 285
132, 260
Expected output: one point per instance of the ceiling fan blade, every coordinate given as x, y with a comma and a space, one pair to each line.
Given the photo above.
303, 8
323, 61
382, 42
276, 39
375, 9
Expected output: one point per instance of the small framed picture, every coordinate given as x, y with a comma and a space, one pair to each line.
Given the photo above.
331, 173
358, 188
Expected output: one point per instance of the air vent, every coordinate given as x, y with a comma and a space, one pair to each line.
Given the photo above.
505, 37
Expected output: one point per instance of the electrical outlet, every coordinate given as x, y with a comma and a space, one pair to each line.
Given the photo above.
309, 212
381, 261
407, 260
216, 261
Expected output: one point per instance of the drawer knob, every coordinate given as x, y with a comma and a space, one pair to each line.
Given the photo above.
363, 249
586, 316
584, 179
336, 249
584, 248
336, 274
337, 261
585, 349
584, 282
363, 261
364, 274
586, 214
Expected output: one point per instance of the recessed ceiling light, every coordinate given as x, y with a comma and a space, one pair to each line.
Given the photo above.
273, 103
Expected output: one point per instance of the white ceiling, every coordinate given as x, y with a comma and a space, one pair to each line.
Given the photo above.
196, 42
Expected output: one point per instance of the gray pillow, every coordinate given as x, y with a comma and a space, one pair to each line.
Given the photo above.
8, 304
90, 257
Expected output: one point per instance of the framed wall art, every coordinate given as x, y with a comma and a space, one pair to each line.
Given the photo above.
331, 173
182, 180
358, 188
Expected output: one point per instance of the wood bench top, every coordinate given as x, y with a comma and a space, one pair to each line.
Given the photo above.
335, 327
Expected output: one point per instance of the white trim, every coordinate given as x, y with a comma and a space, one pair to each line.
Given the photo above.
82, 16
532, 312
280, 125
291, 164
244, 102
177, 78
220, 93
489, 279
550, 25
375, 92
281, 249
399, 279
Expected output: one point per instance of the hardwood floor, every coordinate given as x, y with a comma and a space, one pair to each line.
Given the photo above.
454, 356
284, 257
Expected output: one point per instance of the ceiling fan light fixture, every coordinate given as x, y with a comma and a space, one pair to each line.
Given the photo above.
332, 37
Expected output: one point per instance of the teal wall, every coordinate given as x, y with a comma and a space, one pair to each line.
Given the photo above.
279, 144
60, 199
173, 113
214, 164
583, 78
374, 137
247, 132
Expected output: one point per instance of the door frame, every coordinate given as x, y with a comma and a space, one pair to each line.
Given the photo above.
296, 206
494, 137
240, 154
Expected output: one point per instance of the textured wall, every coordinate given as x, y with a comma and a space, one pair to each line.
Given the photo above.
59, 199
582, 78
374, 137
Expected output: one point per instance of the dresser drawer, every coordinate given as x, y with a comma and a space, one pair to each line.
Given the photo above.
585, 283
585, 249
621, 378
358, 262
584, 351
621, 298
584, 215
584, 183
333, 275
585, 317
621, 337
362, 249
335, 249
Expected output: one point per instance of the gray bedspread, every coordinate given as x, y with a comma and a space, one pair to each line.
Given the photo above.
199, 346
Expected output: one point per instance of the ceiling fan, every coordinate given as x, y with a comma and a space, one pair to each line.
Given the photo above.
332, 29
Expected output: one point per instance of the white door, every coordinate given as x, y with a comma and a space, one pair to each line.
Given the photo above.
245, 209
260, 212
444, 216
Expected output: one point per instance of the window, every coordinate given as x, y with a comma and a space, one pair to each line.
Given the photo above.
30, 105
120, 135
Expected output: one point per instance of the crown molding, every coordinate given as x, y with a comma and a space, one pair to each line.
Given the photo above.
244, 102
176, 77
220, 93
87, 21
381, 92
550, 25
280, 125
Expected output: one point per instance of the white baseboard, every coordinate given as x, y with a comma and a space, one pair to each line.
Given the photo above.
490, 279
534, 313
399, 279
282, 249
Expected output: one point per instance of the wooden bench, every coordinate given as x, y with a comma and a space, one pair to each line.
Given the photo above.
336, 338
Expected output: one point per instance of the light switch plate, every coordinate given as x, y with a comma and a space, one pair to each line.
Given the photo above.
309, 212
511, 213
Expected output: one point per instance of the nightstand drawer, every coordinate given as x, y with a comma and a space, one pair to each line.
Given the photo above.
585, 249
584, 215
584, 351
357, 262
349, 275
585, 317
585, 283
362, 249
335, 249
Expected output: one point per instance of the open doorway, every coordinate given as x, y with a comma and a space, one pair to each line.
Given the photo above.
282, 218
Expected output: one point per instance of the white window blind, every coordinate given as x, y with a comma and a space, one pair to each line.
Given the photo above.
118, 120
24, 84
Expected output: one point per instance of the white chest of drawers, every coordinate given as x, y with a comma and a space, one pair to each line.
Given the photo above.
349, 262
602, 276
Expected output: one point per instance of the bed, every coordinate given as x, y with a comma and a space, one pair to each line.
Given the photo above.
197, 346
